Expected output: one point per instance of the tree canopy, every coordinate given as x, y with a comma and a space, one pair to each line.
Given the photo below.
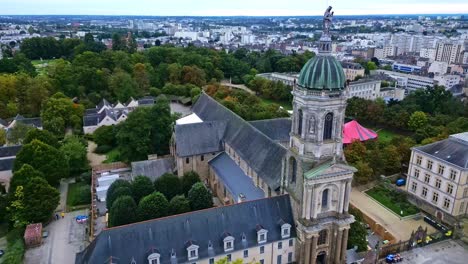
168, 184
200, 197
111, 197
153, 206
141, 187
123, 211
44, 158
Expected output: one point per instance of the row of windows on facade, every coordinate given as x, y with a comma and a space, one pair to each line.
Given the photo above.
438, 181
202, 158
327, 128
435, 195
155, 258
441, 168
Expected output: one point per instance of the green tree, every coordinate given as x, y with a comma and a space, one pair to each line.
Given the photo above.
105, 136
153, 206
225, 261
122, 85
17, 134
45, 159
123, 211
200, 197
141, 187
3, 136
417, 120
364, 172
3, 208
76, 154
134, 135
161, 121
22, 176
168, 184
42, 135
188, 180
179, 205
110, 197
119, 192
355, 151
34, 203
58, 112
357, 233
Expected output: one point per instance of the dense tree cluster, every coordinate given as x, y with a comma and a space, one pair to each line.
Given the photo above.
375, 158
84, 69
149, 201
246, 105
428, 114
357, 234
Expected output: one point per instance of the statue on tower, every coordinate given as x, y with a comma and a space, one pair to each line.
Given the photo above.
327, 20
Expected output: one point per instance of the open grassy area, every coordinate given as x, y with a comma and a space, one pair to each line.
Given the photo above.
285, 105
79, 193
112, 156
41, 66
385, 135
393, 200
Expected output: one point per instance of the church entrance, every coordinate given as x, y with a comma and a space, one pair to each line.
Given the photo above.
321, 258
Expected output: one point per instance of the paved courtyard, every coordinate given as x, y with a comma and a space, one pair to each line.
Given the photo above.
400, 229
445, 252
66, 238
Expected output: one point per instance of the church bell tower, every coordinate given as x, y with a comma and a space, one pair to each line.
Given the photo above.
315, 173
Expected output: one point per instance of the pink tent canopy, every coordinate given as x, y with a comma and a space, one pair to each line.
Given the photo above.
354, 131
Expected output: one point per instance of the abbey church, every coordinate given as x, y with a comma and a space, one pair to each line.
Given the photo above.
284, 183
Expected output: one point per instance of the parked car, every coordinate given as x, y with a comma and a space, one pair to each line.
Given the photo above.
400, 182
2, 253
393, 258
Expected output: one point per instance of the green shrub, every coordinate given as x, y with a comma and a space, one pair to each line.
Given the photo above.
15, 248
103, 149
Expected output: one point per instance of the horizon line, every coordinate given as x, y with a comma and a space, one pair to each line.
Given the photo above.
415, 14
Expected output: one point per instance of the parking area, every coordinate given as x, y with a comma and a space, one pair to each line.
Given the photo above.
65, 238
445, 252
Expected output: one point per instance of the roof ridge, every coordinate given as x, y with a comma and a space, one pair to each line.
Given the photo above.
188, 213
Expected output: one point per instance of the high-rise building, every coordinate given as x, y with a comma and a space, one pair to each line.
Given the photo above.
449, 52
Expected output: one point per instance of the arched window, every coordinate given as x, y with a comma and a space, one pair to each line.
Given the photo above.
292, 170
328, 128
322, 237
325, 198
299, 125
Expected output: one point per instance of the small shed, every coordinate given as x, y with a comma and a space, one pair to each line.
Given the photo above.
33, 235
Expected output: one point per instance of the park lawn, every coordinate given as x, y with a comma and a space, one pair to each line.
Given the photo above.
112, 156
393, 200
76, 196
285, 105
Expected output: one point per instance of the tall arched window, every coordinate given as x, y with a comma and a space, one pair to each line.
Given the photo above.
299, 120
292, 170
328, 128
325, 198
322, 237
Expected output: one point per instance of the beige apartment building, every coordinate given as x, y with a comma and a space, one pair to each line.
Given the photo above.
438, 177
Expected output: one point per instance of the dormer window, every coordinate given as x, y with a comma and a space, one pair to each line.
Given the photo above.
228, 242
154, 258
192, 251
261, 234
285, 230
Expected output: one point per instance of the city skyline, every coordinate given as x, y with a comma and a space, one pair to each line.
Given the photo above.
225, 8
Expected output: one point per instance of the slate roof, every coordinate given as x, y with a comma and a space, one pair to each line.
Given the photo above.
148, 100
276, 129
7, 164
35, 121
236, 181
199, 138
260, 152
9, 151
103, 103
153, 169
3, 123
453, 150
94, 119
164, 235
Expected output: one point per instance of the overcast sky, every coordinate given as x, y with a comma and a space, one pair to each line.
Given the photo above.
230, 7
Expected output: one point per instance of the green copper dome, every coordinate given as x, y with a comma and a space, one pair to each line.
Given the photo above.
322, 72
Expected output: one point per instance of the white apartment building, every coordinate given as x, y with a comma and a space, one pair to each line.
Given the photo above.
364, 88
438, 177
448, 80
438, 67
385, 51
409, 81
449, 52
352, 70
429, 53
